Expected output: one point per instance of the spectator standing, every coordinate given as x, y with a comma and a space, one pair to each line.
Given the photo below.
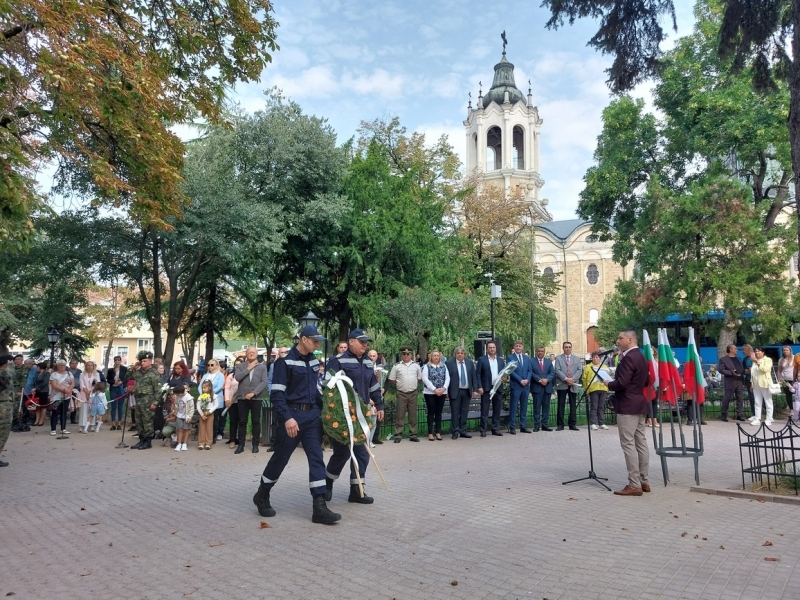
733, 371
436, 381
252, 378
543, 375
598, 392
89, 378
463, 387
761, 377
232, 403
406, 376
116, 378
568, 372
520, 389
42, 389
217, 379
487, 371
785, 373
206, 404
74, 397
180, 375
61, 385
747, 363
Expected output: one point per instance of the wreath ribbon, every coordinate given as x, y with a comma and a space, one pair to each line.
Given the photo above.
341, 382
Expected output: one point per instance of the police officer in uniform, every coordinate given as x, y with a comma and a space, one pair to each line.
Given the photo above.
359, 368
296, 404
6, 402
146, 390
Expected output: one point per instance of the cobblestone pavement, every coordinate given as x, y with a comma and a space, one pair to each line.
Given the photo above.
471, 518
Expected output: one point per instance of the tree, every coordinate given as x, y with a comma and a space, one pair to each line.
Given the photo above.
752, 38
108, 315
413, 314
392, 235
95, 86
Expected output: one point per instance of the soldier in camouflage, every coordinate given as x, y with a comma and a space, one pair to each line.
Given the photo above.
21, 370
6, 402
147, 391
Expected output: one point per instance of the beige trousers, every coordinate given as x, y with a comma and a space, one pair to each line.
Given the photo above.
634, 446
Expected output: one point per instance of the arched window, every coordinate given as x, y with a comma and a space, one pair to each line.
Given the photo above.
519, 148
593, 315
548, 272
592, 274
494, 140
591, 238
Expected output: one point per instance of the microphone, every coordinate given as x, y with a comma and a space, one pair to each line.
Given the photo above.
609, 351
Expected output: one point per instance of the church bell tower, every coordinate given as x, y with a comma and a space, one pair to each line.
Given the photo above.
503, 138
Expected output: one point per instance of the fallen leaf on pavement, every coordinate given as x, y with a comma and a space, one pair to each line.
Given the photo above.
767, 543
454, 582
264, 525
215, 544
684, 534
771, 559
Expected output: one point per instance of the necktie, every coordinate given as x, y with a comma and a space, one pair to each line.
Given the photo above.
568, 372
463, 375
541, 365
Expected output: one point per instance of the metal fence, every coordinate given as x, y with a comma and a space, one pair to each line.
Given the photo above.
771, 458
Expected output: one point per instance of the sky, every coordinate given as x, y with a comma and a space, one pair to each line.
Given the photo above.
360, 60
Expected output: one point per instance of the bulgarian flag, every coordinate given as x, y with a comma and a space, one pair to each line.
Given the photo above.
668, 377
693, 371
651, 391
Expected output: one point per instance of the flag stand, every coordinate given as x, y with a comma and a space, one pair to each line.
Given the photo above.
680, 449
592, 475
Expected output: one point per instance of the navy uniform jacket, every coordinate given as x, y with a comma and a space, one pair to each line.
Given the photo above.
484, 371
362, 372
294, 381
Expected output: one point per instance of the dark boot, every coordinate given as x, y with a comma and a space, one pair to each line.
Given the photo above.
138, 446
355, 496
261, 500
328, 489
255, 447
239, 448
322, 514
145, 444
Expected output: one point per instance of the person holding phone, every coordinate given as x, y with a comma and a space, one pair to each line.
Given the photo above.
733, 370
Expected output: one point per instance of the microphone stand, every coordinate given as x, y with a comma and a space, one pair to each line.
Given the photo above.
592, 475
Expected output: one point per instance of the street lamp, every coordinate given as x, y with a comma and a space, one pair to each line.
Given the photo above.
296, 339
52, 338
309, 319
496, 292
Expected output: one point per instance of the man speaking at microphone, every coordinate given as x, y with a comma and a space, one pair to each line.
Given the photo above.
630, 379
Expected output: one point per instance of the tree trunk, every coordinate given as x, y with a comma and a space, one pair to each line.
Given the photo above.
794, 110
107, 359
188, 349
345, 318
212, 307
5, 339
423, 343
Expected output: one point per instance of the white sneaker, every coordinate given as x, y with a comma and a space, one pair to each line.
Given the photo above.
178, 448
65, 432
53, 432
219, 437
183, 446
603, 426
753, 420
768, 422
97, 428
594, 428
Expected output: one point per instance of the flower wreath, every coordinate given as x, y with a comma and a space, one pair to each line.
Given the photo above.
334, 419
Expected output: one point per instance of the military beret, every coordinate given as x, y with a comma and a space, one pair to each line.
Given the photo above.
5, 359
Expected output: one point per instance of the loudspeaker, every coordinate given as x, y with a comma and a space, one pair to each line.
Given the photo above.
479, 346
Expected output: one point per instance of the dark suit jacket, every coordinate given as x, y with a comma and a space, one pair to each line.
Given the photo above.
455, 377
484, 372
537, 373
727, 366
123, 372
523, 370
630, 379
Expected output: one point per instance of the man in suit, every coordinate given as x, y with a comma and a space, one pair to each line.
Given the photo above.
630, 379
520, 388
462, 389
488, 370
543, 374
568, 374
733, 370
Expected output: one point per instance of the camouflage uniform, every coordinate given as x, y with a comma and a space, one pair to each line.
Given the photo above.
147, 391
6, 406
19, 379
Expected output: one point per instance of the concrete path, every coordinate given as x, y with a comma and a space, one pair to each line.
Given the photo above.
471, 518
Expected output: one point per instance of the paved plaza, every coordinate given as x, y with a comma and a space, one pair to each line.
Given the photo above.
471, 518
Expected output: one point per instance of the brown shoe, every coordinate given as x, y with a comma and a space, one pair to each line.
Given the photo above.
629, 491
646, 488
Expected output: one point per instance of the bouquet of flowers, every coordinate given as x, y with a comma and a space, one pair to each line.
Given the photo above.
345, 417
205, 402
510, 366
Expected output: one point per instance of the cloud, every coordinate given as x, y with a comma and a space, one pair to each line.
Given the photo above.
380, 83
316, 81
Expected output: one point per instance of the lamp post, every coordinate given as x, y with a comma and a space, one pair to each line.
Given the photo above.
52, 338
311, 319
495, 293
296, 339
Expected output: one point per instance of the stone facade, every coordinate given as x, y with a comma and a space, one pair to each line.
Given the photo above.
587, 274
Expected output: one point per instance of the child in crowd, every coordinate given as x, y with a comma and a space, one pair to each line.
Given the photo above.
97, 407
206, 404
181, 416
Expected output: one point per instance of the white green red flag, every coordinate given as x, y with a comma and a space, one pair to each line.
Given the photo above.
669, 380
693, 377
651, 391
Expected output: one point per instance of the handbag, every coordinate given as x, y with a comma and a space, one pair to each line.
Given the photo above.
774, 386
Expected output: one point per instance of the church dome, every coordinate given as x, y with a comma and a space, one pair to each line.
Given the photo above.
503, 82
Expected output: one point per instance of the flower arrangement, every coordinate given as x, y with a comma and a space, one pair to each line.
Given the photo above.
204, 402
335, 419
